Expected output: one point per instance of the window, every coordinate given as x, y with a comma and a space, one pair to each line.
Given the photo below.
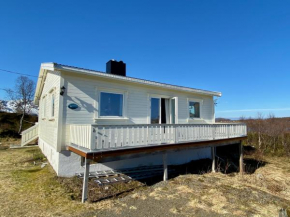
173, 100
155, 110
43, 107
111, 104
52, 105
194, 110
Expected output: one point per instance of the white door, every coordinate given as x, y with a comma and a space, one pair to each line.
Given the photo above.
173, 110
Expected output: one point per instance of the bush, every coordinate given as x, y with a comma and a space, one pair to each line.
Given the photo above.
9, 124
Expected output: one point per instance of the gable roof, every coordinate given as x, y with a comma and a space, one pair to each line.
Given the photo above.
55, 67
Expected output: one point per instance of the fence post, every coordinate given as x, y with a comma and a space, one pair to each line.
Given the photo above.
165, 169
241, 157
213, 158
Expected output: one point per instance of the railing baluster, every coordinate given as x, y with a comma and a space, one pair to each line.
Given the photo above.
116, 136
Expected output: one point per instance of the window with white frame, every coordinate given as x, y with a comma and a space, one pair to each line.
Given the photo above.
111, 104
194, 109
52, 105
43, 107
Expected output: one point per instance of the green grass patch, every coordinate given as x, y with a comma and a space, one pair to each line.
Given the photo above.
35, 155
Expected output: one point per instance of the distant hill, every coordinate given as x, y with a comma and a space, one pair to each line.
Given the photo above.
223, 120
9, 124
9, 106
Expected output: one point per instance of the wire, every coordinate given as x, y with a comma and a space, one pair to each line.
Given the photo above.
4, 70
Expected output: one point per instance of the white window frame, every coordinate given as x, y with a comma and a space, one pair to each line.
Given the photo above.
159, 96
200, 101
43, 112
52, 106
52, 95
176, 109
100, 90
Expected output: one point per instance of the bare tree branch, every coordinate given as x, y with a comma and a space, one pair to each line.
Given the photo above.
22, 95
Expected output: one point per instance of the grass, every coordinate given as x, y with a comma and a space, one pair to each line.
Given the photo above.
27, 189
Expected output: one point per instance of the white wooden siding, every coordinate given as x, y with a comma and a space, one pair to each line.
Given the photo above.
47, 124
83, 91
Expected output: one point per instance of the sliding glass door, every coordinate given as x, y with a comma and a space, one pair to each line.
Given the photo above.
173, 110
155, 110
163, 110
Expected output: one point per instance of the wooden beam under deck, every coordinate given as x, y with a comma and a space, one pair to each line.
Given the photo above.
98, 155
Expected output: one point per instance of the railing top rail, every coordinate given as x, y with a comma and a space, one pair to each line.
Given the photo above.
132, 125
30, 128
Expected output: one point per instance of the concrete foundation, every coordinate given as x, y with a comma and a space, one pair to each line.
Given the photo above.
67, 163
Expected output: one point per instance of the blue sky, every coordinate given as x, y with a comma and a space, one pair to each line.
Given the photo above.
241, 48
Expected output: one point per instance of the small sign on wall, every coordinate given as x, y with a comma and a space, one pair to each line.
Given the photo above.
72, 106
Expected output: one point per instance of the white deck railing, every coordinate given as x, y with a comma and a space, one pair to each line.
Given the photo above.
104, 137
29, 135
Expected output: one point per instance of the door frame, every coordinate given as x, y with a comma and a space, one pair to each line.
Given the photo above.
158, 96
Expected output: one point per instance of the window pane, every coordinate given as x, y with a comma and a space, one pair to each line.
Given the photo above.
194, 110
111, 104
44, 107
173, 111
155, 110
52, 106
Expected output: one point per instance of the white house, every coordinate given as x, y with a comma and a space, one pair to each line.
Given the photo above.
119, 121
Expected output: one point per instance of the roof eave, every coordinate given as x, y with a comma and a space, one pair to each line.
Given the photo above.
41, 79
135, 80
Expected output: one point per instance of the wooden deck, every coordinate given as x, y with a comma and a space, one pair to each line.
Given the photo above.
100, 155
97, 142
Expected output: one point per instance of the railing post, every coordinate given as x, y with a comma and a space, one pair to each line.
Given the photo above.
93, 138
176, 132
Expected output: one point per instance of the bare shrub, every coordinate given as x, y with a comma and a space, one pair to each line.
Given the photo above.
270, 134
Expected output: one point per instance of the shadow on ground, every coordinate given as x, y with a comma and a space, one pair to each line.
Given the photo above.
227, 162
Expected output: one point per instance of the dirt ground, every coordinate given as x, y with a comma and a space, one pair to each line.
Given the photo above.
27, 189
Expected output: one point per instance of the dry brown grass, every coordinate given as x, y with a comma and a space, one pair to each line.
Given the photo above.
6, 142
262, 193
29, 190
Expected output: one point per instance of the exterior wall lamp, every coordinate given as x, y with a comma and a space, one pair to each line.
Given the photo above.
62, 89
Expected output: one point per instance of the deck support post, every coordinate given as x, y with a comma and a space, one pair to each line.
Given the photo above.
213, 166
86, 180
241, 158
165, 169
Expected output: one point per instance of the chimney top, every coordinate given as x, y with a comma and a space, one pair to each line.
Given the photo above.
116, 68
